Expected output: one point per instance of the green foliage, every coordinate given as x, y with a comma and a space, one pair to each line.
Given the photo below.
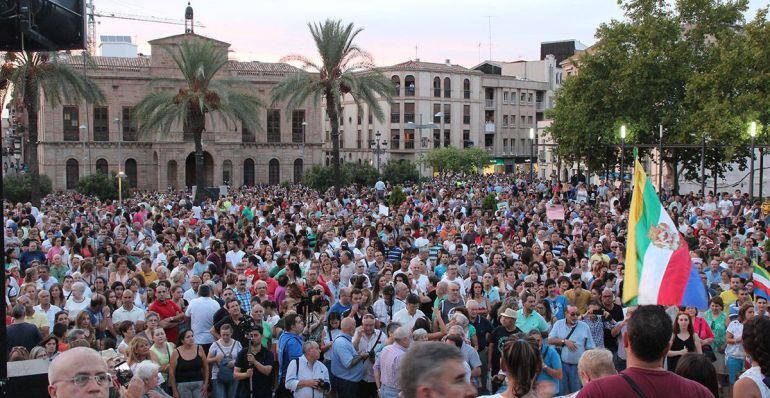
321, 178
360, 174
17, 187
686, 66
454, 160
400, 171
489, 202
396, 197
102, 186
345, 69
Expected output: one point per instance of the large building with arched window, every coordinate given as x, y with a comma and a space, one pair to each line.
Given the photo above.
80, 139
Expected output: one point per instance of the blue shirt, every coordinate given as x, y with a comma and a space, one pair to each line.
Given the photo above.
581, 336
289, 347
531, 322
342, 355
714, 277
552, 360
338, 307
558, 305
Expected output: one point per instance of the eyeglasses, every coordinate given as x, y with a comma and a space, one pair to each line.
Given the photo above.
81, 380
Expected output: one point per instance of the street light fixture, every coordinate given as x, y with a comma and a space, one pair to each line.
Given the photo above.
753, 134
118, 124
121, 175
531, 154
622, 159
377, 145
86, 156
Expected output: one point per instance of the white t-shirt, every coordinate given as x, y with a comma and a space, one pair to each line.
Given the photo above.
402, 316
725, 206
230, 352
74, 308
121, 314
735, 350
235, 257
201, 312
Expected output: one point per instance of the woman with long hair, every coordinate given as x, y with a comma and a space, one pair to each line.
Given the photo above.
734, 352
753, 382
51, 345
521, 363
151, 322
138, 351
57, 295
699, 368
222, 355
476, 292
83, 321
188, 368
162, 349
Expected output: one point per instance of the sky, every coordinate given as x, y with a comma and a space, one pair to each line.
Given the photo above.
394, 31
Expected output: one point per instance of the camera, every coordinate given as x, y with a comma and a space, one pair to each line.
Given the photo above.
324, 385
314, 292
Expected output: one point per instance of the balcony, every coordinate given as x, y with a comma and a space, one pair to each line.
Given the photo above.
409, 144
489, 103
409, 91
395, 118
437, 92
539, 106
466, 120
408, 117
489, 128
467, 94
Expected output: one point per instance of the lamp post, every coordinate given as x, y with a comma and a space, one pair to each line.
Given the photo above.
531, 154
660, 163
703, 166
86, 155
118, 124
121, 174
304, 125
377, 144
423, 142
622, 159
752, 133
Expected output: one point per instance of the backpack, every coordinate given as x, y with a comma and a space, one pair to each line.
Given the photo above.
226, 374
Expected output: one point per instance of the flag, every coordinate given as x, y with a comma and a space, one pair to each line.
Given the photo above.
658, 265
761, 282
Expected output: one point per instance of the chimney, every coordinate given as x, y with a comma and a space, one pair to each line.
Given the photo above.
416, 60
448, 63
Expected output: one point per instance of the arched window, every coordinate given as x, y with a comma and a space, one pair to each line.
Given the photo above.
248, 172
299, 168
102, 166
172, 174
447, 87
72, 173
273, 172
437, 87
397, 84
131, 173
409, 86
467, 88
227, 172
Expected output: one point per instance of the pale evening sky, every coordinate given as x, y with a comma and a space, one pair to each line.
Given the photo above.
266, 30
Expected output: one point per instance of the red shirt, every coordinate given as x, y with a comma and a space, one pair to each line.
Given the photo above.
167, 310
653, 383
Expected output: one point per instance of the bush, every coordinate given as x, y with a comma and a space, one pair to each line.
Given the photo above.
16, 187
361, 174
397, 197
490, 202
321, 178
400, 172
102, 186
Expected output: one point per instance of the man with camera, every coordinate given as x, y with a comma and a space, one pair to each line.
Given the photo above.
306, 376
365, 340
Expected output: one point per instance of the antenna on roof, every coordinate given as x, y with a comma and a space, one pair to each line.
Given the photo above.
416, 56
489, 18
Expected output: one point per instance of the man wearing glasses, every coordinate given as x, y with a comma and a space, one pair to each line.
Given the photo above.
79, 372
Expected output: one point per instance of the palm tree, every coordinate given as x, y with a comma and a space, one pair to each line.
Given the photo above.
29, 74
199, 61
345, 69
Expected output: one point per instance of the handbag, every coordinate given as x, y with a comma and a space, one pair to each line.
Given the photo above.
226, 374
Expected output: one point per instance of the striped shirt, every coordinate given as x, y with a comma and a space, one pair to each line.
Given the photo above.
388, 363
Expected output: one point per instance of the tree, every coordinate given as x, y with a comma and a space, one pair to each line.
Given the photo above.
396, 197
400, 171
360, 174
345, 68
31, 75
640, 74
17, 187
202, 93
453, 160
102, 186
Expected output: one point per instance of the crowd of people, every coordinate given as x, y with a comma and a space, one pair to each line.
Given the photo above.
285, 291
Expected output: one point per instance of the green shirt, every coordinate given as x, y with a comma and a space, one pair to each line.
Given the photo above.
531, 322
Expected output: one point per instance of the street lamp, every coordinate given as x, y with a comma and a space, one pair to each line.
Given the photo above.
622, 159
304, 125
752, 133
423, 142
118, 124
121, 174
377, 144
531, 154
86, 156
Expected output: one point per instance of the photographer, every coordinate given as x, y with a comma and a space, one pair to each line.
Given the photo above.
254, 367
306, 376
365, 340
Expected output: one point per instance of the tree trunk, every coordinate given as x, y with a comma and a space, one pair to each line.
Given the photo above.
30, 105
331, 111
196, 126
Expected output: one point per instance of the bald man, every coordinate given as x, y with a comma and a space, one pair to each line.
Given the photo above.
347, 363
79, 372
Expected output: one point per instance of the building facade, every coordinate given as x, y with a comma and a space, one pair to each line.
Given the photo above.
80, 139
